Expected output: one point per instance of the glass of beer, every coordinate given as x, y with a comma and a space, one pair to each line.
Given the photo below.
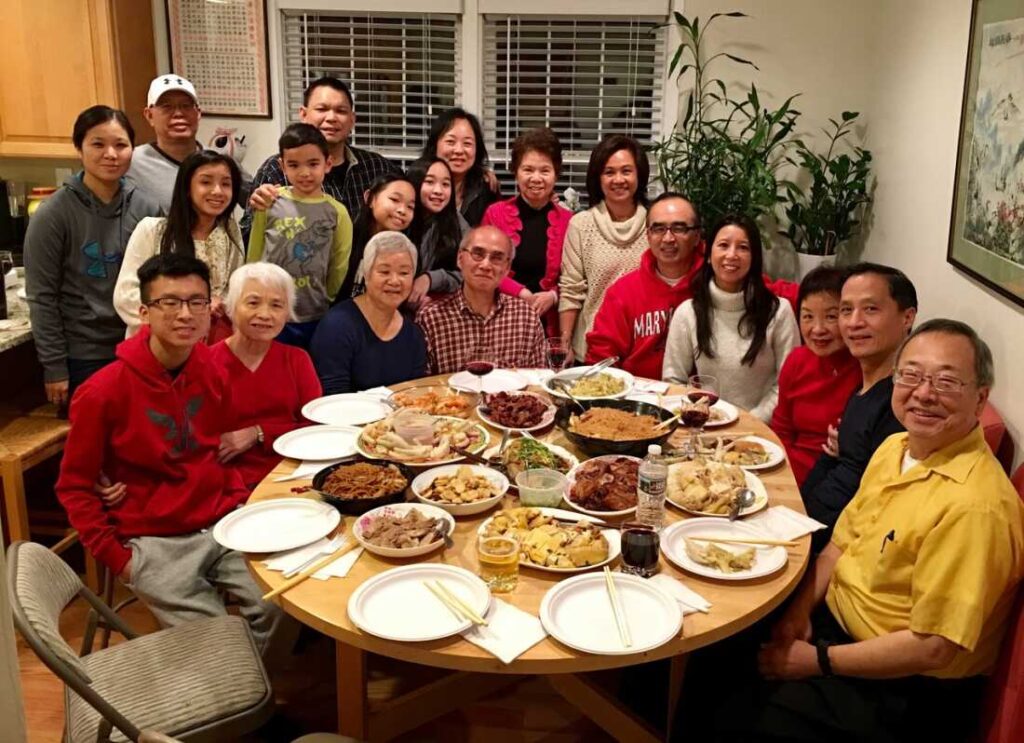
499, 563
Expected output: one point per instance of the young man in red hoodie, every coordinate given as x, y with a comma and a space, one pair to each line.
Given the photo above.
151, 421
634, 316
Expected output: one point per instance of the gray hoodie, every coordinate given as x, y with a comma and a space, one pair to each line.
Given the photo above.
73, 251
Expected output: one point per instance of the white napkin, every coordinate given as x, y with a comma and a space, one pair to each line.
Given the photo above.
650, 385
291, 559
307, 469
783, 522
510, 632
536, 377
689, 600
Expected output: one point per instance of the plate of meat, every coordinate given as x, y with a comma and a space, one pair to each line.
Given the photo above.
516, 411
604, 486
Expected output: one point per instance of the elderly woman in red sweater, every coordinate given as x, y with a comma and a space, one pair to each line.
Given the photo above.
535, 224
269, 381
817, 378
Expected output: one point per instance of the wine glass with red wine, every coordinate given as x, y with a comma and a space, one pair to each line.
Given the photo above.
702, 394
480, 362
640, 543
558, 353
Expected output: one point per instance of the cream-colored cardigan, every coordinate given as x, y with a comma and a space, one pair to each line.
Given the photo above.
221, 251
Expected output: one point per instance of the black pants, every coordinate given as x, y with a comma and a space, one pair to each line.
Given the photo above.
838, 709
80, 370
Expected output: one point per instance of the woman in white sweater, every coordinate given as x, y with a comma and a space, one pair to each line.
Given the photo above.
200, 224
734, 327
607, 240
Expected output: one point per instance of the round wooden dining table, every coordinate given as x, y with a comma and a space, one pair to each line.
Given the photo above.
735, 605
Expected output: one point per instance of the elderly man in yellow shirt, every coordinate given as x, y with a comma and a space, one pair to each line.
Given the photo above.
918, 580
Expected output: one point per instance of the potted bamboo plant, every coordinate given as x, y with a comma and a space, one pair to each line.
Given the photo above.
830, 210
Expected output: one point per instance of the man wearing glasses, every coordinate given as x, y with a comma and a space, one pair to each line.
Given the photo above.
891, 631
877, 308
478, 318
172, 109
633, 320
151, 422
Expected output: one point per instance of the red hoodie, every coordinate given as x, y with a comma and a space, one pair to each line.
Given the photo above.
157, 435
634, 318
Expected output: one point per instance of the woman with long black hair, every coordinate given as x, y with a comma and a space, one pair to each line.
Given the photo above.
73, 252
457, 138
200, 224
734, 328
437, 229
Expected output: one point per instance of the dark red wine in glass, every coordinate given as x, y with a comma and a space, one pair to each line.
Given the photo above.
480, 368
639, 549
708, 396
695, 417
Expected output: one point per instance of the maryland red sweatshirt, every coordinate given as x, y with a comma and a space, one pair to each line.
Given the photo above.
634, 318
158, 435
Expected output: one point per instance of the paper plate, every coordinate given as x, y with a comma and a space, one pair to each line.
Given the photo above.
499, 481
396, 605
753, 482
611, 535
767, 560
546, 420
729, 414
499, 380
276, 524
578, 613
776, 454
598, 514
349, 409
318, 443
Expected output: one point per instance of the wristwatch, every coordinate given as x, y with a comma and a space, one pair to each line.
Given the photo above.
259, 434
823, 660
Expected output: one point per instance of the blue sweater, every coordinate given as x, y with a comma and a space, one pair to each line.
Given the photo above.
349, 356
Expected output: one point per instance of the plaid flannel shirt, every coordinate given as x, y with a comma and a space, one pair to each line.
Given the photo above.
345, 182
512, 331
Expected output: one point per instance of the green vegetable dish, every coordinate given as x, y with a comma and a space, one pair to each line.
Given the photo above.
529, 454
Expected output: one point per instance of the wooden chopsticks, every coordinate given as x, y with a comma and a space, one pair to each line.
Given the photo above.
292, 582
620, 616
737, 540
453, 602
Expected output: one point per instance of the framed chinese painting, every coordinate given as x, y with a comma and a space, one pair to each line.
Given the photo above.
986, 237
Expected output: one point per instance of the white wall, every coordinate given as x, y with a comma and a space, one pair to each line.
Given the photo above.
919, 64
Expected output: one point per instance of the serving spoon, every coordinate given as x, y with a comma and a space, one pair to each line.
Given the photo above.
600, 366
744, 499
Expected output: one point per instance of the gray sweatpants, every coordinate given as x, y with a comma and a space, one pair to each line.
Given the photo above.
178, 577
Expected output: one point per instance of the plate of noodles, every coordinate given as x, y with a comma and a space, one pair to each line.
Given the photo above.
614, 426
356, 484
610, 383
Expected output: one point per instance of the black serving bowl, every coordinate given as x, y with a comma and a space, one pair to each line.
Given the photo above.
359, 506
595, 446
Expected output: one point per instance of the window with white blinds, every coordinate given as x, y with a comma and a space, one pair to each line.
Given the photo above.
403, 69
583, 77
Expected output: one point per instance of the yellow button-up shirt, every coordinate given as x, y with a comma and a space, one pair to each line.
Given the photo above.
938, 550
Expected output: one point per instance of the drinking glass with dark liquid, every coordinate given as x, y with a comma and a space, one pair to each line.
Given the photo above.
480, 362
703, 393
558, 353
640, 545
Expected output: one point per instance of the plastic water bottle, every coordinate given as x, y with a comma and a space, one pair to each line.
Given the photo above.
652, 479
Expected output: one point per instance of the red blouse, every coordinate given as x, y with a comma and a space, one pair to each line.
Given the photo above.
813, 392
272, 397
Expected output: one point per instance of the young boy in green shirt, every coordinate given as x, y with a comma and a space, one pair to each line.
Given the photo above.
304, 231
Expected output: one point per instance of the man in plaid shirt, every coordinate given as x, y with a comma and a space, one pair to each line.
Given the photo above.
479, 316
327, 105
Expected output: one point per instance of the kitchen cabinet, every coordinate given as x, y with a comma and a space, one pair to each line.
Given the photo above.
58, 57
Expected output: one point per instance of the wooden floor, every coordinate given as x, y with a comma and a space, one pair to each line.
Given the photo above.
306, 699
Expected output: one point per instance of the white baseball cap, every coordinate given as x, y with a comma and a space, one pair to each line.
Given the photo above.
167, 83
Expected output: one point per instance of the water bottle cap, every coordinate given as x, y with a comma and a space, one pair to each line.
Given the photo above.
654, 449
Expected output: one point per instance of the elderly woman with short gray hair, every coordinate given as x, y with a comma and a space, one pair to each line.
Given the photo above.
269, 381
367, 341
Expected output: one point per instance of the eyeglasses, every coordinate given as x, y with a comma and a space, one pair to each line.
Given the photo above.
196, 305
171, 108
679, 229
912, 378
494, 257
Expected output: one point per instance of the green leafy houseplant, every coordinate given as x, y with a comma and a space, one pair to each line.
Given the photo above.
725, 152
828, 212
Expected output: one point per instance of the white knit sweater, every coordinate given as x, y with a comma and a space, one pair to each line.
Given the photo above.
596, 252
754, 387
